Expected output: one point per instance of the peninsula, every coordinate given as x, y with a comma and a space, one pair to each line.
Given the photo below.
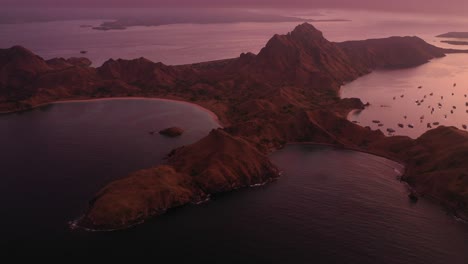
286, 93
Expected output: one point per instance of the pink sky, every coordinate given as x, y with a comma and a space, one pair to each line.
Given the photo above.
415, 5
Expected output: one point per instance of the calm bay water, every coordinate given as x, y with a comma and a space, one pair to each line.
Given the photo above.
437, 79
55, 158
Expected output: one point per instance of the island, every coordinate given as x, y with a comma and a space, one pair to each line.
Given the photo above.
288, 92
172, 132
455, 42
454, 35
202, 16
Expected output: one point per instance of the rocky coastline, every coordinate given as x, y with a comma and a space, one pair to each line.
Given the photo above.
289, 92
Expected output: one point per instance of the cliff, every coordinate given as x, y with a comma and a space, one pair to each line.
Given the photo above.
288, 92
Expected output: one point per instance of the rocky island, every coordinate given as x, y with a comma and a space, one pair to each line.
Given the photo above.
201, 16
286, 93
455, 42
172, 132
454, 35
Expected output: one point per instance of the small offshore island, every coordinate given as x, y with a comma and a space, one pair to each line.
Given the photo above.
172, 132
454, 35
455, 42
286, 93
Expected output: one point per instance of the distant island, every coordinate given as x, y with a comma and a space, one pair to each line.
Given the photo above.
288, 92
455, 42
122, 24
203, 16
454, 35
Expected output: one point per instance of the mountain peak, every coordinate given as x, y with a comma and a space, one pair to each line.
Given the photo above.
16, 52
306, 28
18, 58
306, 32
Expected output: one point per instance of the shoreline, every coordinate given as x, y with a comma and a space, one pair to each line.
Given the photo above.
83, 100
435, 200
454, 212
357, 149
449, 209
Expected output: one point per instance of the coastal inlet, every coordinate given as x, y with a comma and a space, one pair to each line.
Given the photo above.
412, 101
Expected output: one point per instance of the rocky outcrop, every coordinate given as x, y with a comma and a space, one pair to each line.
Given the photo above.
437, 166
142, 194
172, 132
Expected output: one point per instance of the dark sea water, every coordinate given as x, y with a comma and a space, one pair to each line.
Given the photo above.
55, 158
329, 206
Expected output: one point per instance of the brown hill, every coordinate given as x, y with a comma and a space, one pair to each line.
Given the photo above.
19, 68
304, 54
217, 163
437, 166
393, 52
